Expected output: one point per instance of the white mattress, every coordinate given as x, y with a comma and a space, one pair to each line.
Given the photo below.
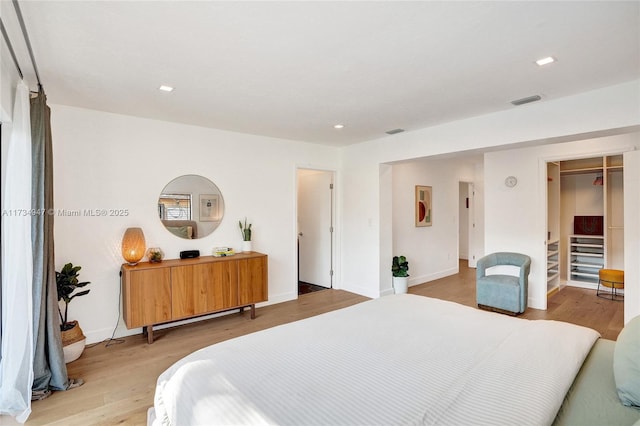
400, 359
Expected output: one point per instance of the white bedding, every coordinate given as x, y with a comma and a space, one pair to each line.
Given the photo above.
400, 359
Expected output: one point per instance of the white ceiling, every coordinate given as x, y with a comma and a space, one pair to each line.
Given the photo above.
294, 69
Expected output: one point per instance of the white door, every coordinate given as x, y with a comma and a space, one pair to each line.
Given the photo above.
474, 224
463, 221
315, 222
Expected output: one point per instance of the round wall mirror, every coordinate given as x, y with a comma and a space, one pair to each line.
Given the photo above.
190, 207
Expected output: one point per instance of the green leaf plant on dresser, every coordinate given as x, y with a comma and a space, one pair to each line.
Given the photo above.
177, 289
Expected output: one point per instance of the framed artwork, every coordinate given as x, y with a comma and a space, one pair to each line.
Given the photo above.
424, 207
209, 205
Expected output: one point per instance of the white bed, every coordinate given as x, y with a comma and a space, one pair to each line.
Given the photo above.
400, 359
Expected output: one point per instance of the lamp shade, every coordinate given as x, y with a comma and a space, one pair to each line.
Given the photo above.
133, 245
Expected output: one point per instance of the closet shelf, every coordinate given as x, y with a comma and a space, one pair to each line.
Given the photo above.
586, 245
587, 265
586, 258
586, 254
584, 274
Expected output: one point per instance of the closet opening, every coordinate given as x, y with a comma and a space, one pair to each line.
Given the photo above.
585, 220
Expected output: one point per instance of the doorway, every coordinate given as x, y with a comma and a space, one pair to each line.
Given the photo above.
467, 232
585, 220
315, 218
463, 221
606, 186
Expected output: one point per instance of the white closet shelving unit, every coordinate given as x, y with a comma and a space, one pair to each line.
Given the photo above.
586, 258
589, 187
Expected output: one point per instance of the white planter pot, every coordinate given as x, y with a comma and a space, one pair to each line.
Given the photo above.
73, 341
73, 351
400, 284
246, 246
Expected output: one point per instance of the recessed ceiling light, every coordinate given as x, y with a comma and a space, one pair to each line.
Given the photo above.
545, 61
338, 126
166, 88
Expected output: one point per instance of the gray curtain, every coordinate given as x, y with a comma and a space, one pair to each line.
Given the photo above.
49, 368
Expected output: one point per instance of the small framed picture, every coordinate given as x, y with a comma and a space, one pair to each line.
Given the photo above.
209, 205
424, 206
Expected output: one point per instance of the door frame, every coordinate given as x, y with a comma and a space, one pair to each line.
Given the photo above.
334, 219
470, 222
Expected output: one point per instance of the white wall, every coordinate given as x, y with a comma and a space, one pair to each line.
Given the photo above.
108, 161
515, 218
365, 190
362, 204
432, 251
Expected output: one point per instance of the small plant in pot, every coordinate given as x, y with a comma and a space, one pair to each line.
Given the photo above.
400, 272
245, 230
72, 337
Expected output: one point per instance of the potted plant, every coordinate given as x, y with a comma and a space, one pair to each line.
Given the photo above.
400, 272
155, 255
73, 339
246, 235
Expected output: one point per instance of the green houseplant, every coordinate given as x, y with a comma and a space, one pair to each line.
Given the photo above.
67, 283
245, 230
400, 272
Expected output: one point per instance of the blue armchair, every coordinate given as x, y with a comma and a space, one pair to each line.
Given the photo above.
503, 293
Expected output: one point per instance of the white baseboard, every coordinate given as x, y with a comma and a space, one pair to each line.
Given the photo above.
362, 291
581, 284
97, 336
430, 277
387, 292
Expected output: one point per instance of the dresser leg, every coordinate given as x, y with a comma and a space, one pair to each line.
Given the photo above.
253, 310
147, 330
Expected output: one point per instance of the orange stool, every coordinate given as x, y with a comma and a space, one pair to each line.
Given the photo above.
612, 278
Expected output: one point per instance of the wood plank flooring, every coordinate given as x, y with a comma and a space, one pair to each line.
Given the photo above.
571, 304
120, 379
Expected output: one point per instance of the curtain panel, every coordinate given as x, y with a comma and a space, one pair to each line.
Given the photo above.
50, 370
16, 363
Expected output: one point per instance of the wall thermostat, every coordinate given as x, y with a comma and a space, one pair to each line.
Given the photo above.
511, 181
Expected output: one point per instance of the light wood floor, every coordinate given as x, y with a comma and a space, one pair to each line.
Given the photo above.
571, 304
120, 379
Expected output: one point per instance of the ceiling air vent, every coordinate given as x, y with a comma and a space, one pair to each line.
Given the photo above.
394, 131
526, 100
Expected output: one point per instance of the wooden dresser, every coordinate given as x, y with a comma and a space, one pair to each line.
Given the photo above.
177, 289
